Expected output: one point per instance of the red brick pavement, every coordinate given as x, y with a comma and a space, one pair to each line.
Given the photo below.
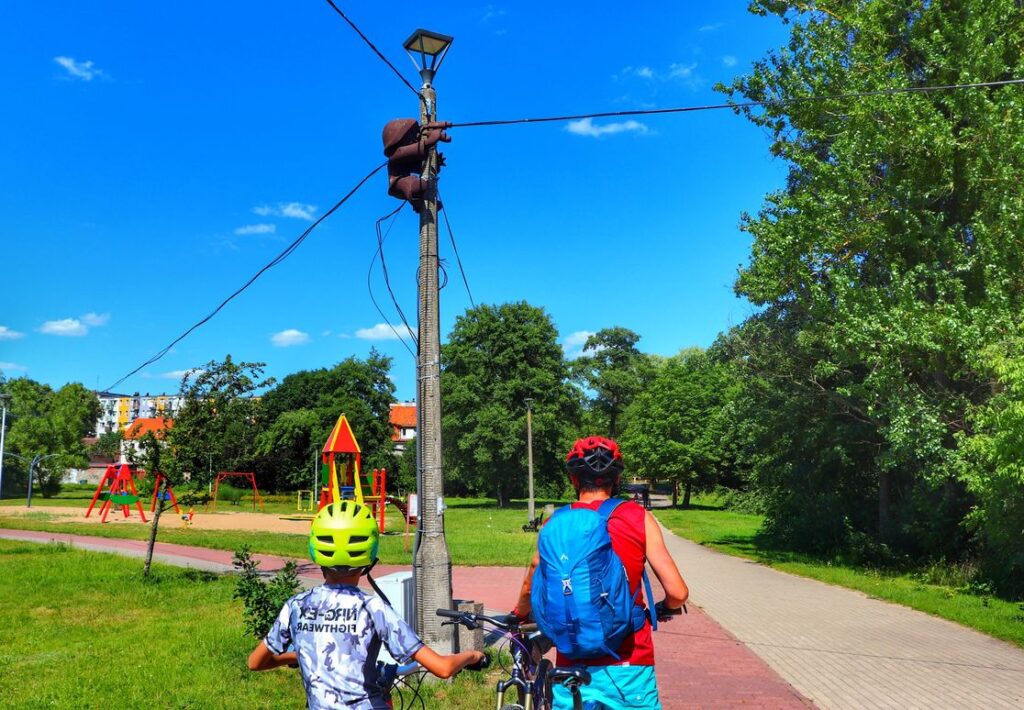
699, 664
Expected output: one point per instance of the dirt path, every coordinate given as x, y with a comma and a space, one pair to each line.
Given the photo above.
234, 520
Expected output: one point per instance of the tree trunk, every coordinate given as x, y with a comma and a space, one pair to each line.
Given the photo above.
686, 494
675, 494
884, 500
155, 525
502, 497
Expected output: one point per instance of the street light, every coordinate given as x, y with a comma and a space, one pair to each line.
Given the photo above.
430, 46
32, 467
531, 507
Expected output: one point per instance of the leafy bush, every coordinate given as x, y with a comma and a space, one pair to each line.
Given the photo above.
229, 494
262, 600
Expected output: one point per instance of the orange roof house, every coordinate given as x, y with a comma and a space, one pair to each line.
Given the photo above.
157, 426
403, 421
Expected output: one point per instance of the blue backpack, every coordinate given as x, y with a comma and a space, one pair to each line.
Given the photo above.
580, 596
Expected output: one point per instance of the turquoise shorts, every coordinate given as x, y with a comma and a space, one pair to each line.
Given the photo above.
614, 688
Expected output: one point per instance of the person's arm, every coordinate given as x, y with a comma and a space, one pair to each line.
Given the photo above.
446, 666
523, 606
676, 591
263, 659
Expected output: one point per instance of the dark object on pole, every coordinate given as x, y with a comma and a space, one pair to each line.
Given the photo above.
406, 147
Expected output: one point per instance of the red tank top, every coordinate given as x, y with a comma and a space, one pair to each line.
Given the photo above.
629, 540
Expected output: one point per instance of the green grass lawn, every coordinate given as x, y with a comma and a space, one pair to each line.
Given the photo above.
82, 629
478, 533
737, 534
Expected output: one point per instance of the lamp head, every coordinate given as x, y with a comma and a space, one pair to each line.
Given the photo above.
431, 47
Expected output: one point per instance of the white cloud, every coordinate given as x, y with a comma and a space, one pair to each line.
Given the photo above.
256, 229
11, 366
729, 60
492, 13
712, 27
382, 331
8, 334
174, 374
289, 337
586, 127
65, 326
577, 339
86, 71
295, 210
681, 71
96, 319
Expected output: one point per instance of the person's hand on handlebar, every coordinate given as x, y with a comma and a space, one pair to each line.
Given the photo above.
664, 613
519, 616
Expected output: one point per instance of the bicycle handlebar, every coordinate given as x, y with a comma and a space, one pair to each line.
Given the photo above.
472, 621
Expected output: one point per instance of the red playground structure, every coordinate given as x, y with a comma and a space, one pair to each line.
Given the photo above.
251, 477
121, 492
168, 494
342, 476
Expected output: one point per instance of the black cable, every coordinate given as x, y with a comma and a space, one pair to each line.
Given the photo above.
745, 104
369, 272
371, 46
387, 283
274, 262
455, 248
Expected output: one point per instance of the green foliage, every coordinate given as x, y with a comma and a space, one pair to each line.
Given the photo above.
42, 422
304, 407
229, 494
496, 357
891, 258
262, 600
218, 423
615, 371
108, 445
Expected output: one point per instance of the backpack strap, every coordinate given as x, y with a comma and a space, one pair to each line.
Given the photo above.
650, 601
606, 509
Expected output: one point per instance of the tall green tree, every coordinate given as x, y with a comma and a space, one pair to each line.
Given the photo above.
44, 423
679, 423
217, 427
892, 255
495, 358
614, 370
304, 406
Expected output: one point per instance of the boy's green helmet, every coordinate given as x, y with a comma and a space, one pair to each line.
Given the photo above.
344, 534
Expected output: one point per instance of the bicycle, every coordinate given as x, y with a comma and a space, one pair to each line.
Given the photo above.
532, 676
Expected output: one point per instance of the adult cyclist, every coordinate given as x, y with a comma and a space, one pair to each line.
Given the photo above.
594, 465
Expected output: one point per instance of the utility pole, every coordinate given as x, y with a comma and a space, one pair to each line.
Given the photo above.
432, 564
531, 508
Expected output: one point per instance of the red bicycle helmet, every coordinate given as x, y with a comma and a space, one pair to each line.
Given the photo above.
595, 459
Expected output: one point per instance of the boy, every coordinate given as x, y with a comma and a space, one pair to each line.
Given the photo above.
337, 629
594, 465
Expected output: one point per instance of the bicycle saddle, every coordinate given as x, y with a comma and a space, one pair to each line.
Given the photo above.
579, 675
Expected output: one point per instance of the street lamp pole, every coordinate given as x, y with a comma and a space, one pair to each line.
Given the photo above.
432, 565
531, 506
31, 473
3, 431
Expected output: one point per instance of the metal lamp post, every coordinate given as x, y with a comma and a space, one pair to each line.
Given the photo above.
432, 565
3, 432
531, 506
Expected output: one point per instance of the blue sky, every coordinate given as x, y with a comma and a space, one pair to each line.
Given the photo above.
157, 154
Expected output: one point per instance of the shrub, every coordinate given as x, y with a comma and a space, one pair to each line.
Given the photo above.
262, 600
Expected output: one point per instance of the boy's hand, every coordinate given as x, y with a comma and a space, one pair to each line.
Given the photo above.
663, 613
480, 661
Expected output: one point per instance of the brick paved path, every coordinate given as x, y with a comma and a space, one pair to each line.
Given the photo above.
700, 665
842, 649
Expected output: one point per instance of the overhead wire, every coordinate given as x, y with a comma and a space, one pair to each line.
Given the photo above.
272, 263
379, 252
743, 104
373, 47
455, 248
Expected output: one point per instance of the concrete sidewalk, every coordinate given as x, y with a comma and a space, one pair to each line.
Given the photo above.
843, 649
699, 664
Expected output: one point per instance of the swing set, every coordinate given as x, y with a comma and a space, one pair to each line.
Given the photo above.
121, 492
251, 477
